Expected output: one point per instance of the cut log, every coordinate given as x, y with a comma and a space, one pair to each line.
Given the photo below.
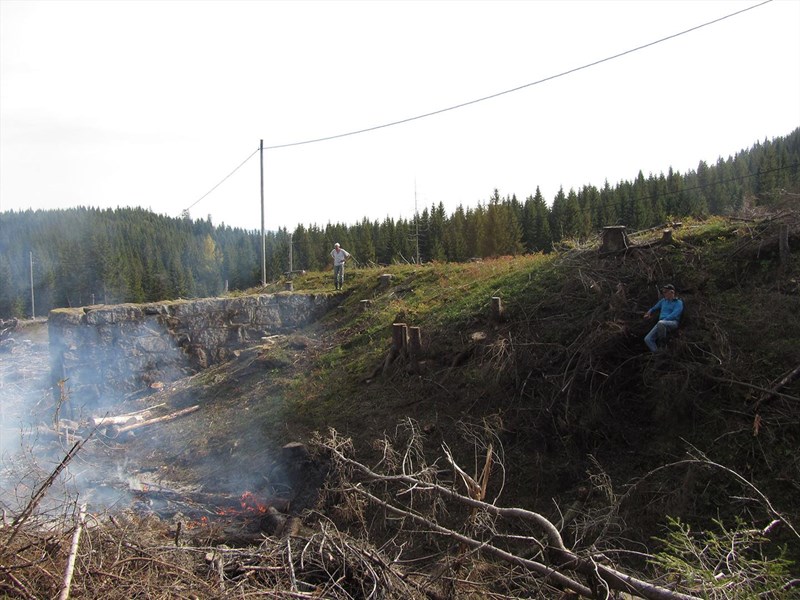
790, 377
163, 419
73, 552
119, 420
139, 415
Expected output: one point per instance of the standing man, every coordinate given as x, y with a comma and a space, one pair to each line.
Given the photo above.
340, 255
670, 309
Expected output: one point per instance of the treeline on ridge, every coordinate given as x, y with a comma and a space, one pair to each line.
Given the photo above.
83, 256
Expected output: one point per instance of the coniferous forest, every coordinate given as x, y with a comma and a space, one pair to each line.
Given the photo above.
81, 256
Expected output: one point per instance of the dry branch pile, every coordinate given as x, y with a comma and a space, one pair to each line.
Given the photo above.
127, 557
522, 551
441, 539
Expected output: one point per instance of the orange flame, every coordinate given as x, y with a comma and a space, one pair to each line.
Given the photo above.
250, 503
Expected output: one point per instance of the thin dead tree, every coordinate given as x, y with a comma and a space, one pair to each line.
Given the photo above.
40, 492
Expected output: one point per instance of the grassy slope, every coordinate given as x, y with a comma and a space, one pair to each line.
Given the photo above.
563, 384
565, 381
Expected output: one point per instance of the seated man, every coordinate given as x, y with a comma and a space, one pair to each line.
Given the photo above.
670, 309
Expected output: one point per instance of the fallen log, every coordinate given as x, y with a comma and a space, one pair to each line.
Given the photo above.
139, 415
790, 377
119, 420
169, 417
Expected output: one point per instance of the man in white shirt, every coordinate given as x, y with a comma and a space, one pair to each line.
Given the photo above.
340, 255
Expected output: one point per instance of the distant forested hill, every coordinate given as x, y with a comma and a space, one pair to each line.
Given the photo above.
85, 255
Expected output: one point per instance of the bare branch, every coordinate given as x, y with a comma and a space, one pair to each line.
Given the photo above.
560, 556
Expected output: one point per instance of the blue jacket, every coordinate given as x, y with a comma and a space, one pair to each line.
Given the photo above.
670, 309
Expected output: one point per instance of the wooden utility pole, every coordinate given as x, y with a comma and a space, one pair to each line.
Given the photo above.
263, 233
33, 302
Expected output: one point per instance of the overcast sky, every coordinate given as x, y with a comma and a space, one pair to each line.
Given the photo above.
152, 104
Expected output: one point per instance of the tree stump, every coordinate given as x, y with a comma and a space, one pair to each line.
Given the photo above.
289, 286
614, 239
295, 453
384, 281
414, 348
498, 312
399, 344
365, 304
666, 236
399, 337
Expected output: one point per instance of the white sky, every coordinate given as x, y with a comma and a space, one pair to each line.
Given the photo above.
113, 103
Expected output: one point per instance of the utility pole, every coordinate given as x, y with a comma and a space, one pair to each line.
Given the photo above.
33, 302
291, 268
263, 233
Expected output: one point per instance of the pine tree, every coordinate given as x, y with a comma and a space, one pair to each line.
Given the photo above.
607, 213
641, 213
455, 236
436, 233
508, 235
7, 293
588, 197
365, 247
558, 218
542, 238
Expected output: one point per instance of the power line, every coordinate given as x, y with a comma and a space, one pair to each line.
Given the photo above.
484, 98
222, 181
518, 88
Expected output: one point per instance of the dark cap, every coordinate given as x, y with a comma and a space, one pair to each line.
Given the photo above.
669, 286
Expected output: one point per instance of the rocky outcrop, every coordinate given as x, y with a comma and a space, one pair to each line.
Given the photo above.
102, 352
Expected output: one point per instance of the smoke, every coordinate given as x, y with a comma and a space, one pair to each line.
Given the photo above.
30, 447
224, 450
154, 468
40, 420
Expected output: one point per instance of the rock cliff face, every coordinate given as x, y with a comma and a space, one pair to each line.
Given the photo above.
104, 352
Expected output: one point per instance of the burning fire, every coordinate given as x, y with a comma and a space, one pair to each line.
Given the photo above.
250, 504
